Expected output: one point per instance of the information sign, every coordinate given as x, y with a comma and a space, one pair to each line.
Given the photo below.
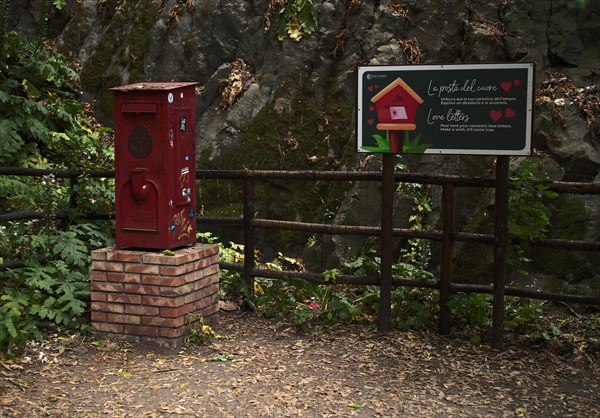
484, 109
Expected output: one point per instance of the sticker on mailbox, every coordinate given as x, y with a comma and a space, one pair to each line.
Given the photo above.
182, 124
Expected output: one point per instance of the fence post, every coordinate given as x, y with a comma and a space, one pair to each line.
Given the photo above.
445, 324
387, 236
249, 233
500, 250
74, 181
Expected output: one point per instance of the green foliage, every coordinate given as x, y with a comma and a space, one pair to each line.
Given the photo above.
408, 146
296, 19
198, 333
44, 126
529, 216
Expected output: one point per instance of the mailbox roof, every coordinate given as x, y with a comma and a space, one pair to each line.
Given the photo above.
153, 85
397, 82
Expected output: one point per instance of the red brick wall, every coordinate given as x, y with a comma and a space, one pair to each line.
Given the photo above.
148, 297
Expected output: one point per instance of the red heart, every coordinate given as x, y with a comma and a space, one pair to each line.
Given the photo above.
371, 108
517, 83
370, 88
509, 113
506, 85
371, 121
495, 115
376, 86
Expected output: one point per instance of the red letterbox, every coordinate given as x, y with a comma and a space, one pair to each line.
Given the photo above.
155, 165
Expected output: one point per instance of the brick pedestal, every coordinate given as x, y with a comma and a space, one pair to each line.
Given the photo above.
148, 297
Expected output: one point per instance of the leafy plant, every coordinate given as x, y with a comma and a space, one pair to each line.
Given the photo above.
44, 126
296, 18
529, 216
198, 333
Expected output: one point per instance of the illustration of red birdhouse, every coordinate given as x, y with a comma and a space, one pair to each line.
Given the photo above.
396, 107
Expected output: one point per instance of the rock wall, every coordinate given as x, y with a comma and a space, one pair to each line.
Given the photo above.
267, 103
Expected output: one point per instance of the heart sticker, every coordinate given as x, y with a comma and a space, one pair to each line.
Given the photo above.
509, 113
371, 121
506, 85
371, 108
495, 115
370, 88
517, 83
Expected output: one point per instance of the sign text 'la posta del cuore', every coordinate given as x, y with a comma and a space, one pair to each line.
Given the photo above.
481, 109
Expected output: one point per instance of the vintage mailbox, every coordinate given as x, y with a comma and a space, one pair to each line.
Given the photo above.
155, 165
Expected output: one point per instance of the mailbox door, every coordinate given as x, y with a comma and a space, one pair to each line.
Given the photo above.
138, 183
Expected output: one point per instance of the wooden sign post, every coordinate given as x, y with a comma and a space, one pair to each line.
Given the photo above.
465, 109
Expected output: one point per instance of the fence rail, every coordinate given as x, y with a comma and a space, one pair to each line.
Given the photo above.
447, 236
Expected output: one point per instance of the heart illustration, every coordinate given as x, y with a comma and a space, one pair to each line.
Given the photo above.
509, 113
371, 121
495, 115
506, 85
370, 88
517, 83
371, 108
376, 86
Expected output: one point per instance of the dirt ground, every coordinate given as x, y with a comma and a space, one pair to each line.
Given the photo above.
261, 368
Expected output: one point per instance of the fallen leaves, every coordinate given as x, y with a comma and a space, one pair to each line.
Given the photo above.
258, 369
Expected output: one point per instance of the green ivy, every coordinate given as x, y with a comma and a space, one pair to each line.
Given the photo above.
43, 125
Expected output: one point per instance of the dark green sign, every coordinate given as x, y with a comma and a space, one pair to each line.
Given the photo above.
446, 109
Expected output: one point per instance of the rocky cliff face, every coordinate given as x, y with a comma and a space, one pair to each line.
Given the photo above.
290, 104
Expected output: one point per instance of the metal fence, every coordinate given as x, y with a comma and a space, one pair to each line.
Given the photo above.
447, 236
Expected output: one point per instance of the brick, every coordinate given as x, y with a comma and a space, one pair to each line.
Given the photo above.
161, 259
100, 254
123, 298
127, 256
98, 276
202, 283
210, 290
142, 310
175, 312
214, 298
163, 281
107, 266
104, 327
124, 277
172, 332
210, 310
159, 321
184, 268
160, 301
193, 297
176, 291
140, 289
98, 296
141, 330
107, 287
98, 317
212, 269
141, 268
123, 319
107, 307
